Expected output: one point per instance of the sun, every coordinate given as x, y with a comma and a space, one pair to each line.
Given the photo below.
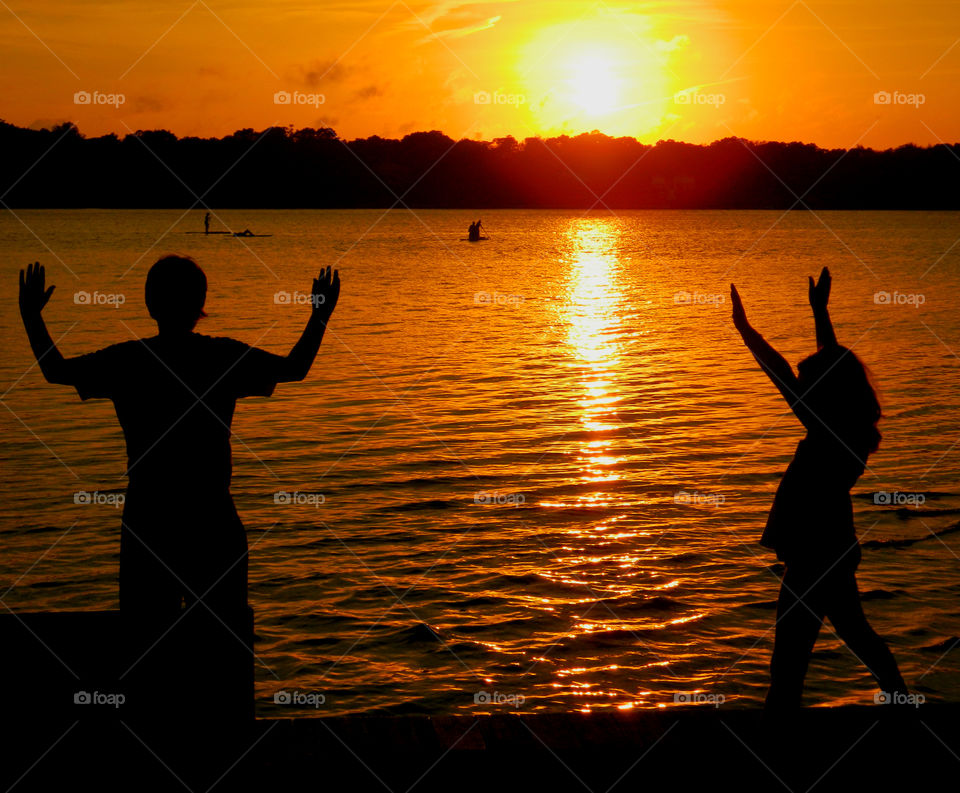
594, 84
611, 73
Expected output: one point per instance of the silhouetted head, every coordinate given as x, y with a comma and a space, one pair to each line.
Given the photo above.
175, 292
836, 386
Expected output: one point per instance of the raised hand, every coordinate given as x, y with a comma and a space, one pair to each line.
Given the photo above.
33, 292
326, 292
739, 315
820, 291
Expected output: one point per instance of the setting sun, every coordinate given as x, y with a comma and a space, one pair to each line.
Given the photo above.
608, 72
594, 85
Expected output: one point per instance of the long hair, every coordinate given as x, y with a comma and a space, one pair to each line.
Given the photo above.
837, 387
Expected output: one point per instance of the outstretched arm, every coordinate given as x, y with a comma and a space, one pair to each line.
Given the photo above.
326, 292
772, 362
819, 295
34, 295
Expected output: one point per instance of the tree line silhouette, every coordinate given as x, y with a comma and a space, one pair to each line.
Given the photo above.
282, 167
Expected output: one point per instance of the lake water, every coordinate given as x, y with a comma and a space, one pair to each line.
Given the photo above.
544, 459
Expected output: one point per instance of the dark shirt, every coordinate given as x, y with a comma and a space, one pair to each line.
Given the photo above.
811, 520
175, 399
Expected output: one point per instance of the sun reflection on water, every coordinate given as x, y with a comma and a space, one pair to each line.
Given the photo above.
593, 323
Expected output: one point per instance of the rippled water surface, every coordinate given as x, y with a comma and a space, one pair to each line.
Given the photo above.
545, 459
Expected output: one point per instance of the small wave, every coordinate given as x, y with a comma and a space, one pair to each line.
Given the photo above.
628, 603
414, 506
878, 594
535, 583
503, 626
941, 647
416, 633
907, 542
687, 556
905, 512
472, 602
765, 605
43, 584
390, 484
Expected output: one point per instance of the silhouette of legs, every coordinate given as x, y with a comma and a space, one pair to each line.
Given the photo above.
183, 598
807, 597
846, 614
798, 625
169, 557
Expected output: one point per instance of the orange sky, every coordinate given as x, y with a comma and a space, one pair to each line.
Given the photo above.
693, 71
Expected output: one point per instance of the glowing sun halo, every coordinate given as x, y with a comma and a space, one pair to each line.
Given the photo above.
594, 85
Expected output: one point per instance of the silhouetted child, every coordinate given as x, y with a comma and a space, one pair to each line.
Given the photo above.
810, 525
182, 543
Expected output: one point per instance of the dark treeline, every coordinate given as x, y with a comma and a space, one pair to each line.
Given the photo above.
283, 167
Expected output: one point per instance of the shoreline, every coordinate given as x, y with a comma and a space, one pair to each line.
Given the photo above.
685, 748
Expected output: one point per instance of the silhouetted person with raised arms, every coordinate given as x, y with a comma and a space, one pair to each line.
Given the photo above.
181, 538
810, 525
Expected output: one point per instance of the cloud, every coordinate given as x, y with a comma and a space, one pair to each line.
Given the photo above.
460, 31
369, 92
147, 104
676, 43
454, 20
317, 72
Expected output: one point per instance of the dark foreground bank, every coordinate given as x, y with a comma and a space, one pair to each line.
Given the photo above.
78, 713
846, 748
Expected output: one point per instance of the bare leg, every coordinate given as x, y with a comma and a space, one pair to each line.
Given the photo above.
846, 613
798, 623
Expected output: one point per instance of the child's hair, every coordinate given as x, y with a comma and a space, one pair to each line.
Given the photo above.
836, 386
176, 290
